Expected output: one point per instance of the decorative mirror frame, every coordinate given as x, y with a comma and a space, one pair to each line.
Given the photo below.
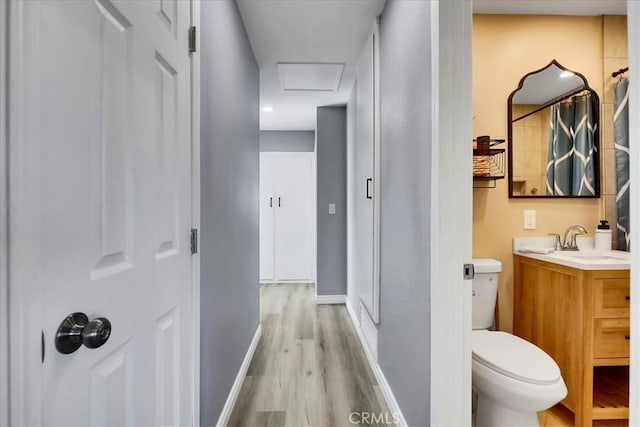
543, 106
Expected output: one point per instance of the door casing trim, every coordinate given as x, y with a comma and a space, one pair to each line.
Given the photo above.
195, 211
4, 217
376, 172
451, 212
633, 28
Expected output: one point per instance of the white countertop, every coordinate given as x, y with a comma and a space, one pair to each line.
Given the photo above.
587, 259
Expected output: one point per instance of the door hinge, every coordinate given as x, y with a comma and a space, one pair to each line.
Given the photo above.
192, 39
468, 272
194, 241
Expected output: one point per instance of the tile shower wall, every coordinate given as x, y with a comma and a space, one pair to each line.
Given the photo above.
614, 57
529, 158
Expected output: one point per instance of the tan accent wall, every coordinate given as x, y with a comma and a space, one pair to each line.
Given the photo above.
505, 48
614, 57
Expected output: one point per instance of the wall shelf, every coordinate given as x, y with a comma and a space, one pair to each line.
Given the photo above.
488, 165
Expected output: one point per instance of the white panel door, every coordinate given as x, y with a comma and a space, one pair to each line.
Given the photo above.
365, 181
293, 225
286, 217
100, 154
266, 217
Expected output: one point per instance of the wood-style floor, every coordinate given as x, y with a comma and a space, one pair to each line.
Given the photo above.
309, 368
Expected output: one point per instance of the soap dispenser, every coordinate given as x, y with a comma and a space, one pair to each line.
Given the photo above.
603, 236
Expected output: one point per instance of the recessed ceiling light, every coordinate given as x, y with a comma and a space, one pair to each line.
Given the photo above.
566, 74
268, 109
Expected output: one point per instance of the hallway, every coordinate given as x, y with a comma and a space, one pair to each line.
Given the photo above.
309, 367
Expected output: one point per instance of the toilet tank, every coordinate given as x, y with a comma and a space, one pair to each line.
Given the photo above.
485, 291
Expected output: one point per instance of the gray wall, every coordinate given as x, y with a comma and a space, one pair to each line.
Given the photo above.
287, 140
229, 197
331, 166
405, 144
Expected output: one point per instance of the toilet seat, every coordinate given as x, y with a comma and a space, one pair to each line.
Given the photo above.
514, 357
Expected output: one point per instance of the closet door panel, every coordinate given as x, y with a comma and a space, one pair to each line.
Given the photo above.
365, 183
293, 217
266, 217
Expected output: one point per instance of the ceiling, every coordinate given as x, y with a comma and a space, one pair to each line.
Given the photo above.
309, 33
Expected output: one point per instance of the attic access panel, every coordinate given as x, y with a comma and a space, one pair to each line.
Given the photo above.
310, 76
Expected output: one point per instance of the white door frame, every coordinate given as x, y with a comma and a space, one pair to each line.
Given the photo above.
376, 172
451, 212
19, 397
4, 210
314, 213
195, 208
633, 28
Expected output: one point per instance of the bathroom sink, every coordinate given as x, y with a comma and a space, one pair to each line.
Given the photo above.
593, 256
586, 260
589, 259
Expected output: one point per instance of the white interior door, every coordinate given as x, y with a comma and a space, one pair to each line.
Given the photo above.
100, 153
365, 181
293, 216
266, 217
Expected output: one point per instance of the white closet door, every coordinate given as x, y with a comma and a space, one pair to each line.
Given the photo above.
293, 216
266, 217
365, 183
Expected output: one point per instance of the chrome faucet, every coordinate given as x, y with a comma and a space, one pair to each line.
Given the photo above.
569, 240
557, 242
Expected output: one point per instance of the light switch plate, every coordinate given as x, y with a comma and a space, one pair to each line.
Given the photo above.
332, 208
529, 219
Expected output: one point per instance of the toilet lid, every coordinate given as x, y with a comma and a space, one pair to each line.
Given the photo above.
514, 357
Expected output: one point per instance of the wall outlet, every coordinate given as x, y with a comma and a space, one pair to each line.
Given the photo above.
529, 220
332, 208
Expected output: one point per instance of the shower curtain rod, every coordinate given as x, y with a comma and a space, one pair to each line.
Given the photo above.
620, 71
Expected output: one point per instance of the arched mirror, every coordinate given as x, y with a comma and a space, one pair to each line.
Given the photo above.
554, 135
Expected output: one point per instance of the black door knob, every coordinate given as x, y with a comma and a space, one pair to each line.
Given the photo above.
76, 330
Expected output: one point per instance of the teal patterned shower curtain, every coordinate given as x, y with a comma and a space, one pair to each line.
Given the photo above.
572, 159
621, 141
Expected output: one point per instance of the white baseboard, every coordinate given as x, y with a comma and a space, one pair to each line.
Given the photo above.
389, 398
283, 282
331, 299
237, 384
352, 312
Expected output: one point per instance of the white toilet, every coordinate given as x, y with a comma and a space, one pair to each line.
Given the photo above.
513, 378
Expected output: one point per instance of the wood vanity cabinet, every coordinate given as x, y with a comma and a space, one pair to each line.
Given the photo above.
581, 319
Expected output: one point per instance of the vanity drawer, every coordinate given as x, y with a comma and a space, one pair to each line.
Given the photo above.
610, 338
611, 297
